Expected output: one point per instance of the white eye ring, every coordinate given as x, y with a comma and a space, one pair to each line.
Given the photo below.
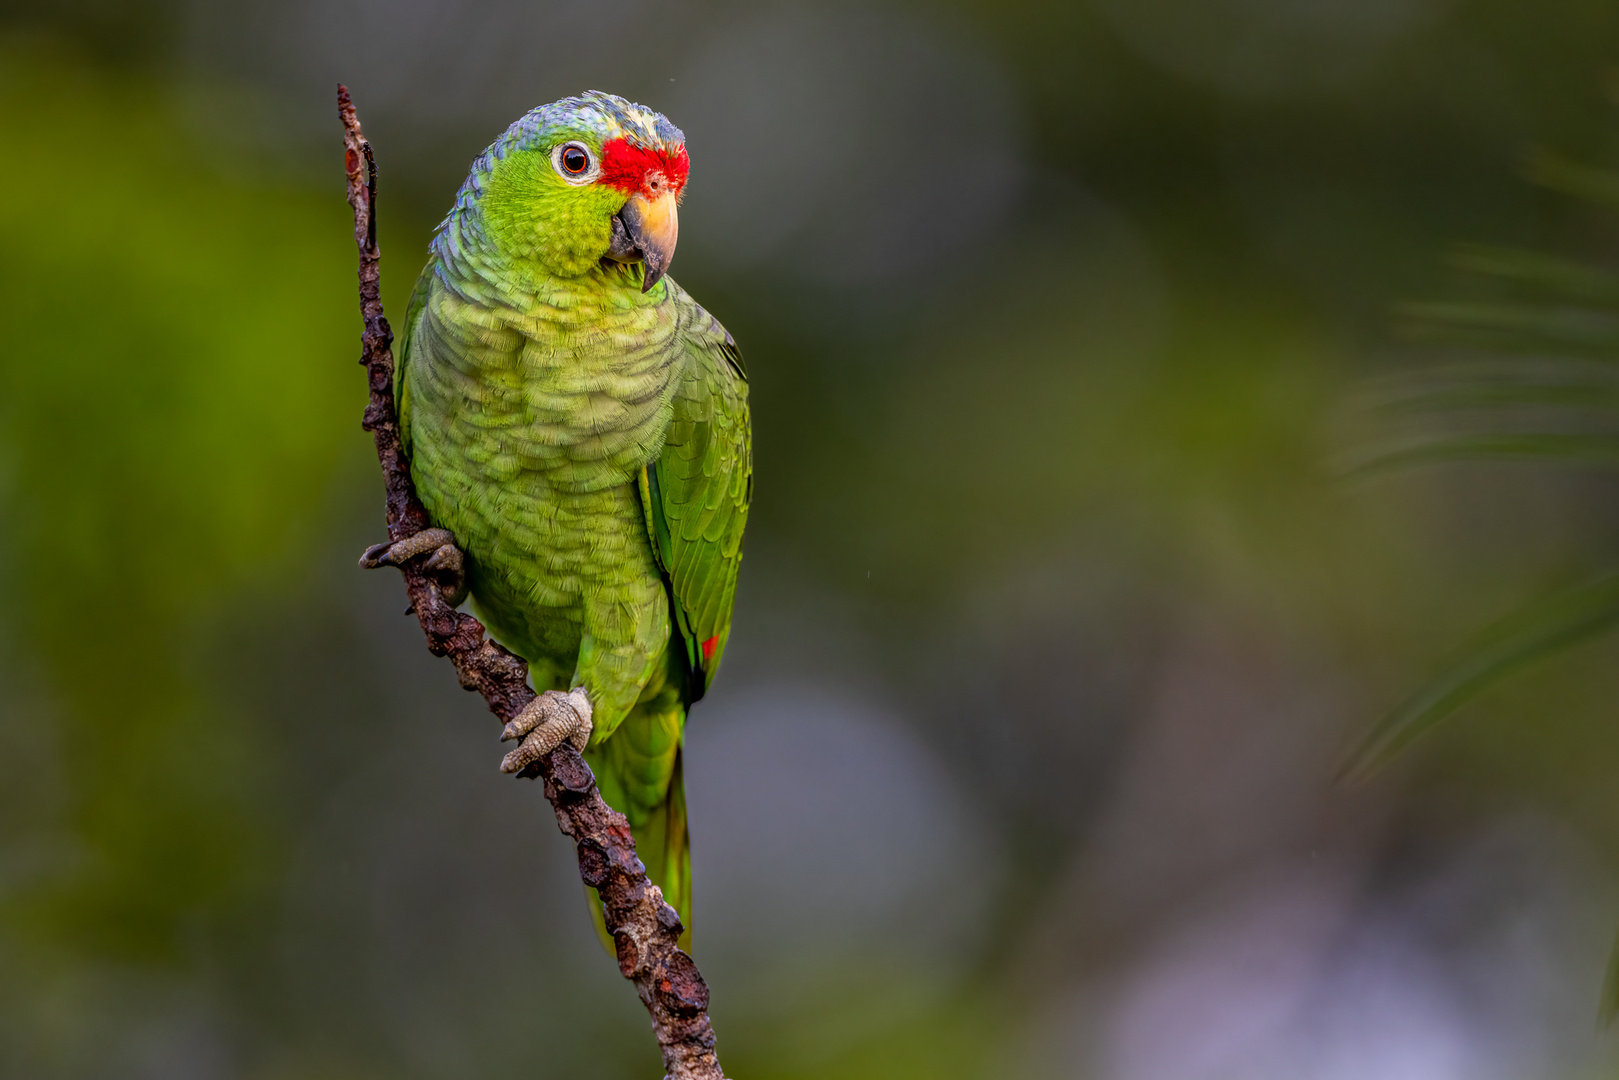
568, 153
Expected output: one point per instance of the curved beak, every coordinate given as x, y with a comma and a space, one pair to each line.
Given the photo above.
652, 226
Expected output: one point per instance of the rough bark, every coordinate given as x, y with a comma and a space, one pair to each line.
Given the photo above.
644, 927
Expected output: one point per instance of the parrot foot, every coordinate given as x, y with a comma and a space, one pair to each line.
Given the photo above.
446, 563
544, 724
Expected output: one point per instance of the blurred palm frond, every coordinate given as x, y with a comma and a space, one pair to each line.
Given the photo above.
1588, 183
1534, 328
1540, 382
1542, 628
1532, 376
1527, 407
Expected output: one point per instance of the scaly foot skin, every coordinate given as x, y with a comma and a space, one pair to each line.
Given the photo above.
547, 721
446, 563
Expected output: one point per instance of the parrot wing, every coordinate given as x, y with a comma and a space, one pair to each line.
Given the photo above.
413, 312
696, 493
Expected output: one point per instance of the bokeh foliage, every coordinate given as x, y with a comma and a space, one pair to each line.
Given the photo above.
173, 391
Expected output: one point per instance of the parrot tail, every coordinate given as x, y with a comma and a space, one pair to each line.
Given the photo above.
664, 846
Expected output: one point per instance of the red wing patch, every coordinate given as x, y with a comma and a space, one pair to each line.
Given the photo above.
708, 649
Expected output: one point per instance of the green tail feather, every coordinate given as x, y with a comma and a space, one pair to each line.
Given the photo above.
662, 841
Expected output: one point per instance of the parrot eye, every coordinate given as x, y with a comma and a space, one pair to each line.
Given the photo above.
573, 161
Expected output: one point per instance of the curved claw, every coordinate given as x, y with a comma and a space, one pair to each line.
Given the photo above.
547, 721
446, 557
450, 566
403, 550
447, 563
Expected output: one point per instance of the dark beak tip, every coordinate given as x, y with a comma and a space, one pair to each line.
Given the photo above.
651, 275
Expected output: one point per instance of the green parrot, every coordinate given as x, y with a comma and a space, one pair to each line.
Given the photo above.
580, 426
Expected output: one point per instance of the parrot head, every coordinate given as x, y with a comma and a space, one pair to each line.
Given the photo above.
585, 181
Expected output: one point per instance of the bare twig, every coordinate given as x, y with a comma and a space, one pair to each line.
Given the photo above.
644, 927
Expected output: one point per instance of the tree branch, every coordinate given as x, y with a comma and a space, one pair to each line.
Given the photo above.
644, 927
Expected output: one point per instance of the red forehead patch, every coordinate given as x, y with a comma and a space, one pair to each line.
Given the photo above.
636, 169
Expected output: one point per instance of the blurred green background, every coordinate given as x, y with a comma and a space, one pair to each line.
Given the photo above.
1058, 612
